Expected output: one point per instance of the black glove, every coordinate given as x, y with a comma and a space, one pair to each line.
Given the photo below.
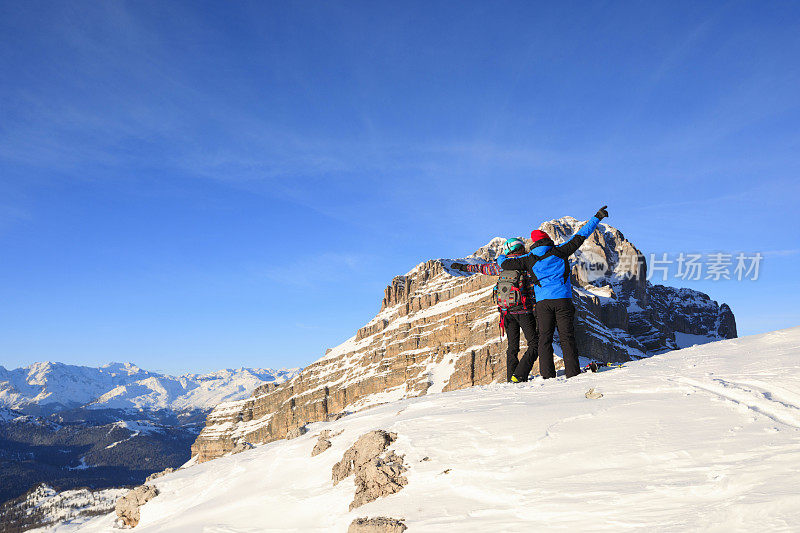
602, 213
457, 266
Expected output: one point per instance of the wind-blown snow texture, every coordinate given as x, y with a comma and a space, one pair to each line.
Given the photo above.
704, 438
56, 386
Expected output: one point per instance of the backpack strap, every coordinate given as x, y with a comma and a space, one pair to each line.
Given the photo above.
534, 279
552, 251
536, 259
549, 252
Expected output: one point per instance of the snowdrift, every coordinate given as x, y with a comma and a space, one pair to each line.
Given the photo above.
704, 438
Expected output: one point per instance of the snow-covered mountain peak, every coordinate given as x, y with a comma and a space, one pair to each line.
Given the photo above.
558, 229
490, 250
126, 368
38, 372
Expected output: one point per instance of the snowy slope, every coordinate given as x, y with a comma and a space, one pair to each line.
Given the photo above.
126, 386
705, 438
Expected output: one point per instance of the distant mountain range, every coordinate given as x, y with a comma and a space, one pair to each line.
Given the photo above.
46, 388
76, 426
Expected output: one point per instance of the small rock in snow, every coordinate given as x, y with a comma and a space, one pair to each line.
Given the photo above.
323, 443
296, 432
128, 506
380, 524
157, 475
242, 446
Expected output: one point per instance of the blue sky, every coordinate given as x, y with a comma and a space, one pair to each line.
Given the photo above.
198, 185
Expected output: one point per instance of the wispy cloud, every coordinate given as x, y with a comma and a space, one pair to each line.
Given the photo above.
144, 114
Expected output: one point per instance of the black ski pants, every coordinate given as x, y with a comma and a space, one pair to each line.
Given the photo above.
558, 312
527, 323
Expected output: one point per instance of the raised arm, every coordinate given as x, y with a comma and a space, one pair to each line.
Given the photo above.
523, 262
487, 269
569, 247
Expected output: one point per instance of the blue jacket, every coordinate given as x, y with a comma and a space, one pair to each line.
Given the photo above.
550, 263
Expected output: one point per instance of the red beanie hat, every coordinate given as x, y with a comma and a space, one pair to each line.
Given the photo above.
537, 235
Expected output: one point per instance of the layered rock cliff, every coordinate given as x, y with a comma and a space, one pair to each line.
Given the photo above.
437, 330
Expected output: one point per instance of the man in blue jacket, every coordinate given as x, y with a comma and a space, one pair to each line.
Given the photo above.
554, 308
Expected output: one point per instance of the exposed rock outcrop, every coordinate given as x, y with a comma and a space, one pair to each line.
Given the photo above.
437, 331
157, 475
380, 524
323, 443
242, 446
379, 477
376, 474
367, 447
128, 506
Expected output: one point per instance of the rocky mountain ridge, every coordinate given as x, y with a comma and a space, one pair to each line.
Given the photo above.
437, 331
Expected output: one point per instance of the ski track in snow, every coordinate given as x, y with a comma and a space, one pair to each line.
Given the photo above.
702, 439
758, 398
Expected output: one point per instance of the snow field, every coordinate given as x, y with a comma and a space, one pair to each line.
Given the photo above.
706, 438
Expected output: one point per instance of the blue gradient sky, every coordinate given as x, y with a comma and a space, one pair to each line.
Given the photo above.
176, 176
